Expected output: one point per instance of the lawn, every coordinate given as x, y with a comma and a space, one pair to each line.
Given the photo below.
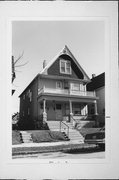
47, 136
16, 138
85, 131
39, 136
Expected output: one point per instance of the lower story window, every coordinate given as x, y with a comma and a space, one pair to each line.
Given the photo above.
77, 109
58, 106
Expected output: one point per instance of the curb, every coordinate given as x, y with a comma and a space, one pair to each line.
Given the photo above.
57, 148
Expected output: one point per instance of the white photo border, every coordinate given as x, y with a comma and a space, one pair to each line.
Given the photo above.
110, 70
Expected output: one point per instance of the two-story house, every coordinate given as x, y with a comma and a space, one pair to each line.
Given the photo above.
57, 93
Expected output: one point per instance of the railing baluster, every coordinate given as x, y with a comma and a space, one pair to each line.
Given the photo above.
65, 91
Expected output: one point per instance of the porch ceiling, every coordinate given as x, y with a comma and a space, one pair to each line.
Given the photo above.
74, 98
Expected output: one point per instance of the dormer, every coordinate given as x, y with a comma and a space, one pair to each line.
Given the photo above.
65, 64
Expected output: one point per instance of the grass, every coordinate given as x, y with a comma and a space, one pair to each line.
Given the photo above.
16, 139
50, 136
39, 136
47, 136
85, 131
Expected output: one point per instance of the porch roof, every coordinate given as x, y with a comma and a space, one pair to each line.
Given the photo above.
66, 98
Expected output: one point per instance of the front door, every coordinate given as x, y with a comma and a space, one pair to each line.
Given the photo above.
58, 111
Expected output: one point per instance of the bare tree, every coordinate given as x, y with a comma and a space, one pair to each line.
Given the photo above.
15, 65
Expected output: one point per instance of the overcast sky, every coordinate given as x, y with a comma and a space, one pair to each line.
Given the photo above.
42, 40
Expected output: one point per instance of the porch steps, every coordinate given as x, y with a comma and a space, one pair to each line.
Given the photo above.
54, 125
26, 137
69, 124
74, 135
66, 137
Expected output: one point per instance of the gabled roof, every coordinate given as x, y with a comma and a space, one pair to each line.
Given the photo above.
65, 51
96, 82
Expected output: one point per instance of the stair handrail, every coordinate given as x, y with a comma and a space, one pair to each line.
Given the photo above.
74, 121
61, 122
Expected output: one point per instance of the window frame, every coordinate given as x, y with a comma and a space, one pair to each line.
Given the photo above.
61, 83
65, 67
58, 106
75, 86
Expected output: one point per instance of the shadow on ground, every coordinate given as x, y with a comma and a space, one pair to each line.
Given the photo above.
83, 150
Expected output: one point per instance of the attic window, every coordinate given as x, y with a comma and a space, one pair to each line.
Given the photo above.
65, 67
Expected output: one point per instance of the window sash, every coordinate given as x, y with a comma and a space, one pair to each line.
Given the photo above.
65, 67
59, 85
75, 87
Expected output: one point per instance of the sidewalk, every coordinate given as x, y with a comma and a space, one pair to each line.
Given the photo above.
33, 148
45, 144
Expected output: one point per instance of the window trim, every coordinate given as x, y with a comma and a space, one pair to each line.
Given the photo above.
75, 86
61, 83
24, 97
30, 96
65, 62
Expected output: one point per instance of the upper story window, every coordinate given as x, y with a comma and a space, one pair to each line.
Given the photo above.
59, 85
24, 96
75, 86
78, 87
65, 67
29, 94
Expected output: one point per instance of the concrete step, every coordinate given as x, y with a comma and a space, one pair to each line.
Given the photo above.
66, 137
26, 137
73, 133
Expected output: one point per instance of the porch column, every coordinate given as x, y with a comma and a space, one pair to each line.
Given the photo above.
44, 111
96, 114
71, 114
82, 110
95, 104
86, 109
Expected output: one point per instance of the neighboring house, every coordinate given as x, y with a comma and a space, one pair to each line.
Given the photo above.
58, 92
15, 119
97, 84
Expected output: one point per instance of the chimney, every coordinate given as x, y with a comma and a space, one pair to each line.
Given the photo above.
93, 76
44, 64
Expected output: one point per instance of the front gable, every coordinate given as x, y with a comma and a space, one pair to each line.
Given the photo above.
65, 64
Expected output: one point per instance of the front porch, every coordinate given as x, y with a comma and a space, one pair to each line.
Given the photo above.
64, 108
63, 113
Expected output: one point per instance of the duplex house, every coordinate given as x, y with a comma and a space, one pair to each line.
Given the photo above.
57, 93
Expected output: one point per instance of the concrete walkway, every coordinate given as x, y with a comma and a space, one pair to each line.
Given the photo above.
45, 144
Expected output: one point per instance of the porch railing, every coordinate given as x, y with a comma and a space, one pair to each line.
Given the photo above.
65, 92
64, 127
74, 122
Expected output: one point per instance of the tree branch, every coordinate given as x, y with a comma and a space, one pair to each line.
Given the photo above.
19, 58
22, 64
